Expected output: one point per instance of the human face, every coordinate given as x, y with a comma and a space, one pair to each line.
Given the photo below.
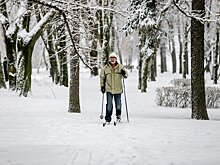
112, 60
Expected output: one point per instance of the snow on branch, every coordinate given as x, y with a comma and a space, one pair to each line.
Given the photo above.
3, 19
55, 5
36, 31
196, 14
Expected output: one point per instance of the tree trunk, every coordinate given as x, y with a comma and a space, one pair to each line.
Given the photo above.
209, 37
118, 43
10, 44
140, 61
142, 38
172, 47
113, 29
94, 53
2, 81
23, 81
153, 66
185, 56
100, 20
215, 59
106, 33
54, 72
74, 98
180, 47
197, 64
113, 38
74, 101
62, 55
163, 60
145, 71
25, 47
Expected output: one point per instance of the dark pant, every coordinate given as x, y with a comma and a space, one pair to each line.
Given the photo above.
109, 105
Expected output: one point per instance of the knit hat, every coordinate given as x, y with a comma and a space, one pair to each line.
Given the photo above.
113, 55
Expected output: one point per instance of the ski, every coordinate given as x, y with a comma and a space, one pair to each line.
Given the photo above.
118, 120
108, 123
104, 124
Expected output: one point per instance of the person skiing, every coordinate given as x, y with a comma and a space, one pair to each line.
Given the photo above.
111, 82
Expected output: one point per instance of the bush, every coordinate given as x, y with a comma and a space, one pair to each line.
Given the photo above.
173, 97
181, 82
179, 95
212, 97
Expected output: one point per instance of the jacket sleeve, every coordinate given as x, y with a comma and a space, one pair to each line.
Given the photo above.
126, 72
102, 77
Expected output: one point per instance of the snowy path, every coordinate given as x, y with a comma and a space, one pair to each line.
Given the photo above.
38, 130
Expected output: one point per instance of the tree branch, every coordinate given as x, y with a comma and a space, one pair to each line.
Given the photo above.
62, 12
198, 15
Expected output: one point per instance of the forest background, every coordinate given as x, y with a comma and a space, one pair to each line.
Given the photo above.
67, 35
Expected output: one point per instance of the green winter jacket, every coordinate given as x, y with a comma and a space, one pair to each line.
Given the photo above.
111, 78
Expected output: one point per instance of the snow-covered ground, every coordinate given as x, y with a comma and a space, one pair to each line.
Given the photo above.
38, 130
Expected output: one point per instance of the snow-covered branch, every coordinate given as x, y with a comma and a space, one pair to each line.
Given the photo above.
198, 15
62, 11
36, 31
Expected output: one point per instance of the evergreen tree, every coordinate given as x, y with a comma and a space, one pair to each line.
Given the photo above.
142, 17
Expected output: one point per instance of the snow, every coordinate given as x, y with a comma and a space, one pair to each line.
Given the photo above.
29, 36
3, 19
38, 130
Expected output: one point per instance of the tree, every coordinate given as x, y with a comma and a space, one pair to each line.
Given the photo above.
163, 63
62, 53
186, 53
215, 58
106, 32
145, 18
172, 45
197, 62
19, 42
9, 37
180, 46
74, 99
25, 47
2, 81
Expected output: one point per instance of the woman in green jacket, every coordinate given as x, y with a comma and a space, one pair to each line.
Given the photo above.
111, 82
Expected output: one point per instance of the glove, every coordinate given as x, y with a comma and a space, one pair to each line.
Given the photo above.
103, 89
123, 72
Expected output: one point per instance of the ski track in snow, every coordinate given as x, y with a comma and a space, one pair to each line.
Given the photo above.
38, 130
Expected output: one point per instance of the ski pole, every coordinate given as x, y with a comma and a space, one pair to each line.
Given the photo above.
125, 100
101, 116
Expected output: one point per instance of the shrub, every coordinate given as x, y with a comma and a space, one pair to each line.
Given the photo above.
179, 95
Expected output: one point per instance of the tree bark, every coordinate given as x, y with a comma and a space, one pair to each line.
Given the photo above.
172, 46
106, 33
185, 56
2, 81
74, 98
74, 101
145, 71
163, 63
62, 55
180, 47
54, 71
199, 111
215, 59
